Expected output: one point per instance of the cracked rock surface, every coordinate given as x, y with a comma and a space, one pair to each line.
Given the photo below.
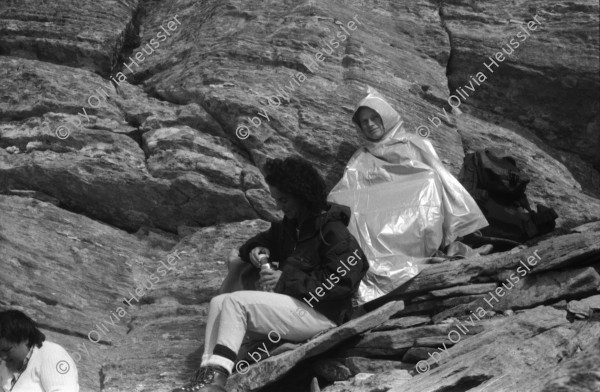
152, 165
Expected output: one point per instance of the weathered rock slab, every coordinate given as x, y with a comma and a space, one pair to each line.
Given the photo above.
71, 274
340, 369
90, 35
530, 291
524, 86
367, 382
585, 307
471, 289
271, 369
500, 358
403, 322
564, 251
391, 342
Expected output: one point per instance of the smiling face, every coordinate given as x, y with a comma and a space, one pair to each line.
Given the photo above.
291, 206
371, 124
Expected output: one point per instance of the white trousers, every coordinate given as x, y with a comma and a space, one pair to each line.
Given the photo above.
232, 315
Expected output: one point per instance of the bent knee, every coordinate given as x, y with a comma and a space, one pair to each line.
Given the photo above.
235, 263
217, 301
241, 298
236, 296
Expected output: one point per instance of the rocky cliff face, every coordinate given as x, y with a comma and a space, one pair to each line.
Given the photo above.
131, 129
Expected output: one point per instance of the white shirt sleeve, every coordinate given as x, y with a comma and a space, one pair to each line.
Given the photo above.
58, 372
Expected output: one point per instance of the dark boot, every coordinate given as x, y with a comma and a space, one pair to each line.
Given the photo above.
207, 379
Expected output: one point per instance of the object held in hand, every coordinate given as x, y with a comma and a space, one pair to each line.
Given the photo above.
264, 266
263, 259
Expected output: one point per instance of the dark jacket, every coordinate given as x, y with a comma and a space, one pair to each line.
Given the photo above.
316, 260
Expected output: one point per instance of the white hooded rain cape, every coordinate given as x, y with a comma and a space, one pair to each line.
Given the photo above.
404, 202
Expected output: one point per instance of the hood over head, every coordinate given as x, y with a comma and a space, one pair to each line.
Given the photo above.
333, 212
390, 117
336, 212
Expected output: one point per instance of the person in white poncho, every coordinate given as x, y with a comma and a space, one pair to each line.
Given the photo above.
405, 203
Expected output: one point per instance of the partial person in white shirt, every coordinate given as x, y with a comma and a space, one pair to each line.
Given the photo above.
34, 365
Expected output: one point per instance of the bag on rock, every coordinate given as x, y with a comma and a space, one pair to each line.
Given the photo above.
498, 186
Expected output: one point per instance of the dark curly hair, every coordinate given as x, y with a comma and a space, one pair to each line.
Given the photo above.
298, 178
16, 327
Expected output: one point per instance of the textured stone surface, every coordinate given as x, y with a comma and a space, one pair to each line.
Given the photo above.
543, 288
403, 322
577, 374
70, 274
207, 79
340, 369
560, 252
272, 368
332, 370
366, 365
495, 360
158, 154
530, 291
169, 322
87, 34
591, 226
179, 176
391, 342
462, 290
544, 81
366, 382
585, 307
415, 354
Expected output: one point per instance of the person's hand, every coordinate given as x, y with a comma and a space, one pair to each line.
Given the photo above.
269, 278
254, 255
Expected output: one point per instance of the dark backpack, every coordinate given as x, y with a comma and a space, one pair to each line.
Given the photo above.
498, 186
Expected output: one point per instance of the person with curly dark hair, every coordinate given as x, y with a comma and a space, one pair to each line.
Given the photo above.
320, 268
34, 364
292, 176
